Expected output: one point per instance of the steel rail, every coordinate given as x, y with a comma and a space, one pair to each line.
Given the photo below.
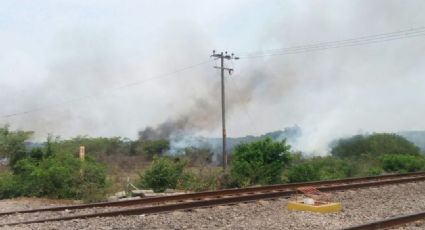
390, 222
199, 195
246, 197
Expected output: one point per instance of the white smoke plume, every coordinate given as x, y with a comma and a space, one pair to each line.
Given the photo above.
329, 94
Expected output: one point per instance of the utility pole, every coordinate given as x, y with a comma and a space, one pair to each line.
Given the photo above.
222, 56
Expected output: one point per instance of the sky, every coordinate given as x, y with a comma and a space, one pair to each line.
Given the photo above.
99, 68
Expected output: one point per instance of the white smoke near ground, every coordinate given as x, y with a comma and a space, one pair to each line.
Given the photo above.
329, 94
336, 93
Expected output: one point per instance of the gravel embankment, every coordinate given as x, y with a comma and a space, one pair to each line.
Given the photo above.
417, 225
360, 206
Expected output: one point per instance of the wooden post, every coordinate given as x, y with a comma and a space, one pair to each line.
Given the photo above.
82, 152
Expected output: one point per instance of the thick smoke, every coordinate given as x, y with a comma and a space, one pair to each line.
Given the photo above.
329, 94
203, 114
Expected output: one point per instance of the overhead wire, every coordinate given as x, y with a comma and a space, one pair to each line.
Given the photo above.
364, 40
367, 37
104, 93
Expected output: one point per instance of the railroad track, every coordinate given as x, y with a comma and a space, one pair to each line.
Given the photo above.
390, 222
209, 198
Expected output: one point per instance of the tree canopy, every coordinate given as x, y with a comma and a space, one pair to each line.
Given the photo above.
12, 143
374, 145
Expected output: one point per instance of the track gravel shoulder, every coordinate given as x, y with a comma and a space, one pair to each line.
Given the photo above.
359, 206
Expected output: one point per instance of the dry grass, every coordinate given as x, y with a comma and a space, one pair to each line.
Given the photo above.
121, 168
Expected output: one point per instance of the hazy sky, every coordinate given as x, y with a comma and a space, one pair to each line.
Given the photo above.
53, 52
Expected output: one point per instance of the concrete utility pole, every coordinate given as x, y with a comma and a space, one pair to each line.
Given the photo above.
222, 56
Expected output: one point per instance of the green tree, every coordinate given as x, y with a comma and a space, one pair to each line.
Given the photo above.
150, 148
12, 144
259, 162
374, 145
96, 146
49, 170
156, 147
162, 174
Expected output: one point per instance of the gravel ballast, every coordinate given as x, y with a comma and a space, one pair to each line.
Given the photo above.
359, 206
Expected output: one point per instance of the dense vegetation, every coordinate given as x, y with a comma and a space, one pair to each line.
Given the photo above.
319, 168
57, 176
47, 171
52, 169
173, 172
374, 145
360, 156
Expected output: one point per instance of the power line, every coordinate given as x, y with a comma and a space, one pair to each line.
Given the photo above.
162, 75
364, 40
367, 37
132, 84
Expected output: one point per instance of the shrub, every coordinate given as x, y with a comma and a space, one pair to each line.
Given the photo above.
162, 174
319, 168
303, 172
190, 181
365, 165
259, 162
374, 171
332, 168
402, 163
8, 186
93, 183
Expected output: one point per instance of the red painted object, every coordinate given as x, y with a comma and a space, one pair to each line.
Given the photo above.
318, 196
